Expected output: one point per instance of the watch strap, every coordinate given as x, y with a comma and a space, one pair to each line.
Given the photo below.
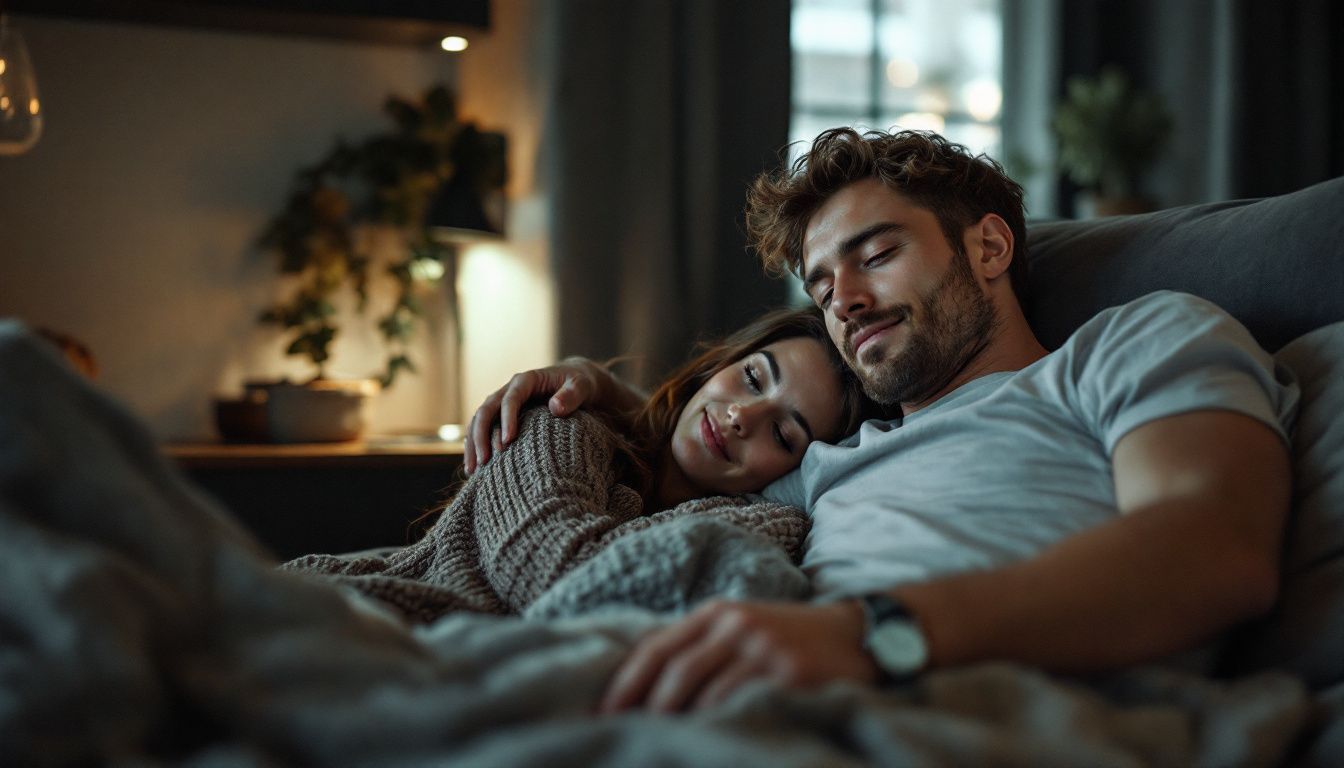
879, 608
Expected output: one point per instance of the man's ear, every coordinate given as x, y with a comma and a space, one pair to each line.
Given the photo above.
990, 246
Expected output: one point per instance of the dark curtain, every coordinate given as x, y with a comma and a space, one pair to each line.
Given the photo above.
663, 112
1256, 86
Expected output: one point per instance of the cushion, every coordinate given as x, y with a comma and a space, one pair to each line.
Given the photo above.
1276, 264
1305, 632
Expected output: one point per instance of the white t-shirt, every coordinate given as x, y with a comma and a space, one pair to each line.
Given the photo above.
1012, 462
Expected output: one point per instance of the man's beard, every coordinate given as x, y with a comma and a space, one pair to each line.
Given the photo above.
957, 322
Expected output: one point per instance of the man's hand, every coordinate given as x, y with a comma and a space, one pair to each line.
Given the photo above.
701, 659
571, 383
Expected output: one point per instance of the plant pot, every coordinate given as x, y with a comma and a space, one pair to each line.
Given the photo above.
321, 411
242, 420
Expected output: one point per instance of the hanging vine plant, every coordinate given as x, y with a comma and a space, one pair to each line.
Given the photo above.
387, 179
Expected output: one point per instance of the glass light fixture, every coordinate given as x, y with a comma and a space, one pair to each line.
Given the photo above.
20, 110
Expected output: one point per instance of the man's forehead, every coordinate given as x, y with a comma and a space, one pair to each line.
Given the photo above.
854, 207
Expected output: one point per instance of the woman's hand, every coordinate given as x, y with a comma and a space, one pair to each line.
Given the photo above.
571, 383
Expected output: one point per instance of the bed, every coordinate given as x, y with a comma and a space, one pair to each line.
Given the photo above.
140, 623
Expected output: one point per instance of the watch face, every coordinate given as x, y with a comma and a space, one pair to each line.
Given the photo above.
898, 646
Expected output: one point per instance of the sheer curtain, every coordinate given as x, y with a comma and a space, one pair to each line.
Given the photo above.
661, 114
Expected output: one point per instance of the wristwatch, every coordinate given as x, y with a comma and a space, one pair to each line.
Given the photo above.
893, 637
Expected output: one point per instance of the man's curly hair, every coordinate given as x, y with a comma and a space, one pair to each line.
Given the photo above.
958, 187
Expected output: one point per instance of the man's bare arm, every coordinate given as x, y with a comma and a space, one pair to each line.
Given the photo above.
1205, 497
570, 383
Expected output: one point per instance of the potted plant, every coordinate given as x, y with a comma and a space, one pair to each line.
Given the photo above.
1109, 134
389, 180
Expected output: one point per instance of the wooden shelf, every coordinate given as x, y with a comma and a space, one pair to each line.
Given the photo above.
369, 453
327, 497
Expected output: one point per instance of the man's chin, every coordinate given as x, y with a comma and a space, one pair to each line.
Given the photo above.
876, 372
874, 356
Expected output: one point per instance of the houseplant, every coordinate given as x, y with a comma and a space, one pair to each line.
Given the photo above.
388, 181
1110, 133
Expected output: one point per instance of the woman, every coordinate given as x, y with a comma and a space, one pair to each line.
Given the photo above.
730, 421
741, 413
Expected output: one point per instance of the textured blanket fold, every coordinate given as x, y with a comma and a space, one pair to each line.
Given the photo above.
552, 501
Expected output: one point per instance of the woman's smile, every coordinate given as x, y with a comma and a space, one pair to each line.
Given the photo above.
713, 437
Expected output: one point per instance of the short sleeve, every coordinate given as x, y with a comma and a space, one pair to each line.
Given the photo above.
1171, 353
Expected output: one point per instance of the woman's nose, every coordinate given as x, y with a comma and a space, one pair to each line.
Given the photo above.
743, 416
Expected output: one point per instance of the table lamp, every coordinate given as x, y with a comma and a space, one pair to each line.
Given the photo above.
469, 208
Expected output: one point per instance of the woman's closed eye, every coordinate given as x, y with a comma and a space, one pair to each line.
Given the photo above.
753, 379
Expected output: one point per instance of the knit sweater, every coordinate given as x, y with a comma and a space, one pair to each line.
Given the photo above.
546, 503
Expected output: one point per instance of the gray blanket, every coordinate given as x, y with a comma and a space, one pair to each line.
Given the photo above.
139, 624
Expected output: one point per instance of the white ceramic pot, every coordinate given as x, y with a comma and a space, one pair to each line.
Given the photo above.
322, 411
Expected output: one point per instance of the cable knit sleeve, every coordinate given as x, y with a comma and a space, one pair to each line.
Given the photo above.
543, 499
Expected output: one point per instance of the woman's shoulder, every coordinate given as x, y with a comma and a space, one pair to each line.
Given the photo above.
583, 437
538, 423
582, 442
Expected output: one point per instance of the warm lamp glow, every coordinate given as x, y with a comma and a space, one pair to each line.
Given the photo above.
489, 269
32, 107
426, 270
506, 315
454, 43
2, 66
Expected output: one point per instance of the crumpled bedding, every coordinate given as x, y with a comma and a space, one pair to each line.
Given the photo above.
139, 624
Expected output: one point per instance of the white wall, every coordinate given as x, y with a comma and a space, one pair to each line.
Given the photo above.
132, 224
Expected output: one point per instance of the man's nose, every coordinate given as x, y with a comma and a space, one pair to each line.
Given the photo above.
849, 295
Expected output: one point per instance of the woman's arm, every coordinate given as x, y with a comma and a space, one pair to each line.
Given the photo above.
571, 383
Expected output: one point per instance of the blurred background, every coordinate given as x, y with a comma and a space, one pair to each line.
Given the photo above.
163, 138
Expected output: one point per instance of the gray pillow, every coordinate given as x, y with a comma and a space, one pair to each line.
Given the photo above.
1275, 264
1305, 633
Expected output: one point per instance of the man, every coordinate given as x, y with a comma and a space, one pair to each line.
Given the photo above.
1118, 500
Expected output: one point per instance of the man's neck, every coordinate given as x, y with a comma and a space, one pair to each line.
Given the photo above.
1012, 348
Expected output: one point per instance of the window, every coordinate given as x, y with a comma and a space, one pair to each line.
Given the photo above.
921, 64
